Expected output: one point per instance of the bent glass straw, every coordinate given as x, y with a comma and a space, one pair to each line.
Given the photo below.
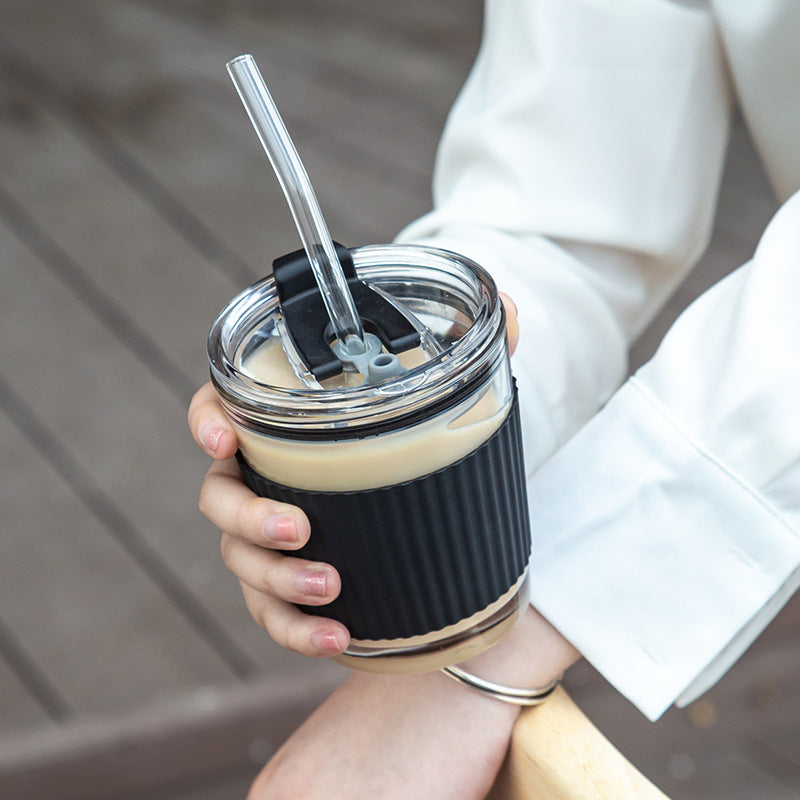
302, 201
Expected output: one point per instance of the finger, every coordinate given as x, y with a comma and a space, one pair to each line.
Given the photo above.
294, 630
294, 580
233, 508
512, 325
210, 427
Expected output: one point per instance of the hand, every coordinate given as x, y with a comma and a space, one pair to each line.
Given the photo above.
418, 736
255, 529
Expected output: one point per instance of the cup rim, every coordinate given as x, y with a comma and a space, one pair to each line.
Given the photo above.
240, 392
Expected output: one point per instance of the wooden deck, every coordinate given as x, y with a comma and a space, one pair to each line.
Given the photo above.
134, 201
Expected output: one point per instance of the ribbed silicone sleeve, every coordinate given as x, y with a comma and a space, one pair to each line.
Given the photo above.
419, 556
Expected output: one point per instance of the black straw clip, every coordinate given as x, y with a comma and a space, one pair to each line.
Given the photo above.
307, 320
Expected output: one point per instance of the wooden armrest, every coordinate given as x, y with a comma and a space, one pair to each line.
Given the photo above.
557, 754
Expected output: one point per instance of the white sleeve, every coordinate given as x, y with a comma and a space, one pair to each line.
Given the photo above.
668, 528
580, 165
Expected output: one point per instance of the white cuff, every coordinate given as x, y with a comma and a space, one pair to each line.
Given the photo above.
650, 556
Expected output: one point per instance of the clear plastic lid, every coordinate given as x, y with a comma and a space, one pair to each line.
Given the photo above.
450, 300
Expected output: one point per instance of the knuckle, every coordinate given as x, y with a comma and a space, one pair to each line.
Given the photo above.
244, 515
269, 579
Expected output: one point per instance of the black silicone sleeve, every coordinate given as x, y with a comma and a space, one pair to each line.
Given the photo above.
420, 555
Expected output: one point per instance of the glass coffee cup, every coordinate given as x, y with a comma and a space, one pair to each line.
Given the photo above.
412, 479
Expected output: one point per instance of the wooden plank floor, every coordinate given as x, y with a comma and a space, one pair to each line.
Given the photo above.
134, 201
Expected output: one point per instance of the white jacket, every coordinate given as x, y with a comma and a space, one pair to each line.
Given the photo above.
581, 165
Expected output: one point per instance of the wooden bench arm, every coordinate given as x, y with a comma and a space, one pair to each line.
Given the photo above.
557, 754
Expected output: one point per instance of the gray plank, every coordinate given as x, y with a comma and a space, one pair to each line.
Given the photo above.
449, 26
19, 709
785, 625
728, 776
359, 157
98, 630
751, 171
119, 245
224, 787
417, 66
746, 201
777, 752
183, 746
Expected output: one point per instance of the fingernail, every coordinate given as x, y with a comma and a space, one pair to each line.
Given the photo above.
210, 435
326, 641
280, 528
313, 583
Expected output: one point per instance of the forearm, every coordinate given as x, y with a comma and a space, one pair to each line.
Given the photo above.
421, 736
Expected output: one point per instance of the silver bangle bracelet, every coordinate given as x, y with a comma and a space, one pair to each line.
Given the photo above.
508, 694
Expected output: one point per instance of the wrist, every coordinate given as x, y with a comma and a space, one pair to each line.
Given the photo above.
533, 654
431, 700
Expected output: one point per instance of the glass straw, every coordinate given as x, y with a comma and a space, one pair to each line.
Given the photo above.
302, 201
